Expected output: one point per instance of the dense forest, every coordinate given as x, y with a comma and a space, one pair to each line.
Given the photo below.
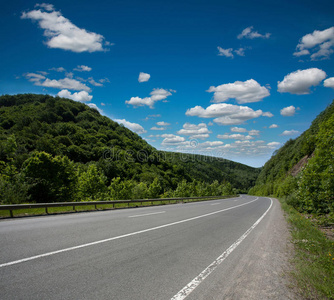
54, 149
302, 170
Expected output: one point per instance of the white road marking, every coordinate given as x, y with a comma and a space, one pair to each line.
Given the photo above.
215, 203
182, 294
136, 216
118, 237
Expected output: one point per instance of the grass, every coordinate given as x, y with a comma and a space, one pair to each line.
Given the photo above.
69, 209
314, 257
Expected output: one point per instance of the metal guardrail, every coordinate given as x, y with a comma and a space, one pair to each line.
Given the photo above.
13, 207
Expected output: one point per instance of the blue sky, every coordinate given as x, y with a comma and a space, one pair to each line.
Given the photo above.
229, 79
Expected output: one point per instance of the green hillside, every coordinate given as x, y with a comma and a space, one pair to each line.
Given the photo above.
55, 149
302, 170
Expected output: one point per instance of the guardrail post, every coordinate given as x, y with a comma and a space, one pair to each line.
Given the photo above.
11, 213
46, 210
95, 207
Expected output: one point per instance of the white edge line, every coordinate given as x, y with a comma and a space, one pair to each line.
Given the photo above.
117, 237
155, 213
182, 294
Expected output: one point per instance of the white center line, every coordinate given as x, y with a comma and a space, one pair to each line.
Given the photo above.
182, 294
136, 216
118, 237
215, 203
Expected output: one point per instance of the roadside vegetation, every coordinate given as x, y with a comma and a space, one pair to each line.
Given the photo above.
314, 257
56, 150
301, 174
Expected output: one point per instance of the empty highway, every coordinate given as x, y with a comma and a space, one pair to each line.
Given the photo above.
222, 249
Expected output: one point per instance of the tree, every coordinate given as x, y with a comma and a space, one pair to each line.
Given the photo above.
92, 184
53, 179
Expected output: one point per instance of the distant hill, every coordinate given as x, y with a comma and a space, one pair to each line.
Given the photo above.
33, 124
303, 169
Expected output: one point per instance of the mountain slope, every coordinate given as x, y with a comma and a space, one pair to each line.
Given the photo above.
34, 124
303, 168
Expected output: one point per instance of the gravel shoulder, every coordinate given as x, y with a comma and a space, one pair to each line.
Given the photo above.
260, 269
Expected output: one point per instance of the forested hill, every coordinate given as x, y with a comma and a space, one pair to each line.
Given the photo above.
38, 132
303, 169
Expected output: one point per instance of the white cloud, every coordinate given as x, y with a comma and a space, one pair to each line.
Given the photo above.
66, 83
320, 43
94, 106
288, 111
238, 129
195, 131
236, 136
162, 123
254, 132
60, 69
82, 96
156, 95
225, 114
273, 126
143, 77
82, 68
225, 52
244, 92
172, 139
274, 144
300, 81
61, 33
46, 6
158, 128
268, 114
289, 132
249, 33
240, 51
132, 126
329, 82
93, 82
229, 52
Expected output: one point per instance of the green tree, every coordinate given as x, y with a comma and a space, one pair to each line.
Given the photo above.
92, 184
53, 179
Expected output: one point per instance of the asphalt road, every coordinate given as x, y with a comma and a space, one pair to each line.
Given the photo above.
222, 249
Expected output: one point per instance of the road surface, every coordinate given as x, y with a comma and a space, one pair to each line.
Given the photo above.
221, 249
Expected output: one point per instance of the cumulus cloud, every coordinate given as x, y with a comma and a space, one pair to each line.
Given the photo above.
60, 69
94, 106
225, 114
132, 126
288, 111
143, 77
162, 123
225, 52
300, 81
93, 82
195, 131
274, 144
156, 95
238, 129
172, 139
273, 126
61, 33
254, 132
158, 128
82, 68
244, 92
82, 96
329, 82
65, 83
250, 33
289, 132
235, 136
319, 43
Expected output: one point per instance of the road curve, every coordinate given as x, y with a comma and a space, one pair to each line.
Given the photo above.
221, 249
